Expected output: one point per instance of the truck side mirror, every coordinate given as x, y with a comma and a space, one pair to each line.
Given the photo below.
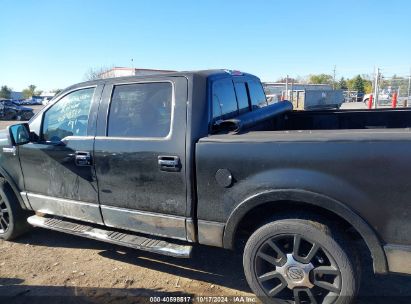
19, 134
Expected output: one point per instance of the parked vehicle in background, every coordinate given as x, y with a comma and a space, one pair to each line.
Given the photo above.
10, 111
383, 96
201, 157
360, 96
30, 101
366, 98
353, 96
46, 100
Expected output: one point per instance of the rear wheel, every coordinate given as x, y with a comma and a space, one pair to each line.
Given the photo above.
13, 219
300, 261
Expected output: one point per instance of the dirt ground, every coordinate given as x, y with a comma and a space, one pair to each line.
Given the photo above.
50, 267
47, 265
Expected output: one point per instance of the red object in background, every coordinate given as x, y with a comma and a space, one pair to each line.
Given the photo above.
370, 102
394, 100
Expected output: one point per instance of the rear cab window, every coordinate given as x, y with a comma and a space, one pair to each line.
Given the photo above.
258, 99
224, 99
235, 95
243, 99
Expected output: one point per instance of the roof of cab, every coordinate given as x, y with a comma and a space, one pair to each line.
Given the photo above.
216, 73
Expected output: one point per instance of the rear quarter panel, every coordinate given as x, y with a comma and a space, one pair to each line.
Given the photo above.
366, 170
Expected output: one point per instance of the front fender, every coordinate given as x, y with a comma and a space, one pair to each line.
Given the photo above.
14, 187
10, 166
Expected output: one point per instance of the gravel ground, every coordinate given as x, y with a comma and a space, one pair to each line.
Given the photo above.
45, 266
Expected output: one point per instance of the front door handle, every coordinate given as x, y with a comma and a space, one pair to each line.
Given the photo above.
169, 163
82, 159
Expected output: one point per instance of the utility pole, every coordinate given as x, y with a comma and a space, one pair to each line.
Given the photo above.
335, 67
286, 88
409, 87
376, 87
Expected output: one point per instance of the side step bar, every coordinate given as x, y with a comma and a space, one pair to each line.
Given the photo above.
111, 236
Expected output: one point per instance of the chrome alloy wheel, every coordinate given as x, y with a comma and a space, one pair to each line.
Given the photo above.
293, 268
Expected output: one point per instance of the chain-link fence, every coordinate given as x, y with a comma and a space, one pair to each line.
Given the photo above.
391, 91
383, 89
353, 96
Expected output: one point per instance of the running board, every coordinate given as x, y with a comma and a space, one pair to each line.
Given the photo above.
111, 236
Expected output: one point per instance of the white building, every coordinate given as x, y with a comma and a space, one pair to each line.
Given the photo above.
16, 95
121, 72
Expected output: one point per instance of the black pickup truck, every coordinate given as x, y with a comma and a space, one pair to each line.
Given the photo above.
162, 162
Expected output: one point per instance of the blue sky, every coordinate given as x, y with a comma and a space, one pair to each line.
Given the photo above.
52, 44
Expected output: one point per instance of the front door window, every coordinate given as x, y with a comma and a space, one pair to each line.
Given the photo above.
68, 117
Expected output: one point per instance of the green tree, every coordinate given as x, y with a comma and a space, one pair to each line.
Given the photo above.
5, 92
367, 86
342, 84
359, 84
31, 91
320, 79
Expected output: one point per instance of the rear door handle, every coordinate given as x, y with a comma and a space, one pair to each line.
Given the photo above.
82, 159
169, 163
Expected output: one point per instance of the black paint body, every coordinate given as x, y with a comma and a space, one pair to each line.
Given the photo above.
362, 175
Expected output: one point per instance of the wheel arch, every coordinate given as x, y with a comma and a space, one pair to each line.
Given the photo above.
308, 198
4, 175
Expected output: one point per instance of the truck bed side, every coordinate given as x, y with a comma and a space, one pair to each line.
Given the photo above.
364, 171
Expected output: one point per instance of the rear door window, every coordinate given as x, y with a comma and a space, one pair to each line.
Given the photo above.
257, 94
224, 99
140, 110
242, 97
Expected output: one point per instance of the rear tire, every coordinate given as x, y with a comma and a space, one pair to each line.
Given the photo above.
301, 261
13, 219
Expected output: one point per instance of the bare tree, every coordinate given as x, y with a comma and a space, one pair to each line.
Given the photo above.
31, 91
95, 73
284, 79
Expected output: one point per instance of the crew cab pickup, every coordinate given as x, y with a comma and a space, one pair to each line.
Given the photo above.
164, 162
